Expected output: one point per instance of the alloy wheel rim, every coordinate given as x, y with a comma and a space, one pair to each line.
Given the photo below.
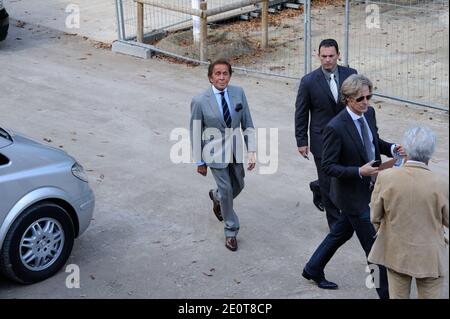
41, 244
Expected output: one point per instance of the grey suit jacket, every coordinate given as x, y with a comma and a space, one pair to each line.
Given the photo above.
211, 141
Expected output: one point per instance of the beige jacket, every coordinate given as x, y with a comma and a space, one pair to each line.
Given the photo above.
409, 208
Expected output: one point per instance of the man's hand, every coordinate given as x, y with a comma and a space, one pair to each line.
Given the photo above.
377, 227
399, 148
368, 170
251, 160
202, 169
303, 150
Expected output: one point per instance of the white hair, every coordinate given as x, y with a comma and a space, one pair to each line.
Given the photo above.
419, 143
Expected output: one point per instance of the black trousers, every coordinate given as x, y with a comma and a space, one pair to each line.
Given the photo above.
341, 232
324, 182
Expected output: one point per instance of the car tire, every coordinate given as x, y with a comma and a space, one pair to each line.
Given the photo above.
38, 243
4, 24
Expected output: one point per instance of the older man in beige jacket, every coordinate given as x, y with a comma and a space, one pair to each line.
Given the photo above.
409, 211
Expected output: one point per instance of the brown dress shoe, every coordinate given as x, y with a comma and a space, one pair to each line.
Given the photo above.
216, 206
231, 243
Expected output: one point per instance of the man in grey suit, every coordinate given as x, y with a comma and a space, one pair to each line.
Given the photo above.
218, 117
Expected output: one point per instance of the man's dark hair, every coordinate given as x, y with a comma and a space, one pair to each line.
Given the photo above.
219, 62
327, 43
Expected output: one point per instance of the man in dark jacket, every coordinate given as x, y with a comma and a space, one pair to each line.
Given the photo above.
318, 95
351, 150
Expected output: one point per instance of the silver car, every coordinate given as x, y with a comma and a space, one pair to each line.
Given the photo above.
45, 202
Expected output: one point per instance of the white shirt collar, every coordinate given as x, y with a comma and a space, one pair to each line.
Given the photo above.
415, 162
216, 91
354, 116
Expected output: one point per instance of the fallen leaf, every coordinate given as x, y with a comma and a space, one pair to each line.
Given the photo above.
20, 24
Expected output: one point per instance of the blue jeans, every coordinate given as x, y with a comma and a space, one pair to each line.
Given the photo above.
342, 231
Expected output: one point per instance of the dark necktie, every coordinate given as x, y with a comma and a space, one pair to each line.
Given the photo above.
226, 112
367, 143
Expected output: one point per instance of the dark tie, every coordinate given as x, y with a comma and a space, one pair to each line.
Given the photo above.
226, 112
366, 140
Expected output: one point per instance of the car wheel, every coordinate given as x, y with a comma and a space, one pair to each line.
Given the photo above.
4, 24
38, 243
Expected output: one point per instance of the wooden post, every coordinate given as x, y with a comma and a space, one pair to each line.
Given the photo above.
203, 33
265, 24
140, 22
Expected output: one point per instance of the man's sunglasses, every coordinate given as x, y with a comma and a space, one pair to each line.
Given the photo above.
361, 98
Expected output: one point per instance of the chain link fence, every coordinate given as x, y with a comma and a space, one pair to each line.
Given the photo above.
402, 45
235, 34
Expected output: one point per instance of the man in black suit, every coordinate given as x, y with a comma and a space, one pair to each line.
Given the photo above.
351, 150
318, 95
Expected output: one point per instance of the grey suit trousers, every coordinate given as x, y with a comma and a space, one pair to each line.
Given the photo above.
230, 182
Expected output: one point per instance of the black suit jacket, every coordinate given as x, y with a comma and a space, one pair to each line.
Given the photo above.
314, 96
343, 154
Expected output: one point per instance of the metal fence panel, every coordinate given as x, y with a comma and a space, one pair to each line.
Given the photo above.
402, 45
234, 34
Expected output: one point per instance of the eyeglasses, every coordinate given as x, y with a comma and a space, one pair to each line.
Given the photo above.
361, 98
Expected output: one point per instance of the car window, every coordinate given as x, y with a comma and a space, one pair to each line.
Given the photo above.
3, 159
5, 134
5, 138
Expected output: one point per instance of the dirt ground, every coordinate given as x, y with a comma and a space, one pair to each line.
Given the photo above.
154, 234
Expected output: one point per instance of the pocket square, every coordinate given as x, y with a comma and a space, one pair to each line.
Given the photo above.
238, 107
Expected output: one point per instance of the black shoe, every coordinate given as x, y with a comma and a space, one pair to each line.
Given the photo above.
320, 281
317, 197
319, 205
231, 243
216, 206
